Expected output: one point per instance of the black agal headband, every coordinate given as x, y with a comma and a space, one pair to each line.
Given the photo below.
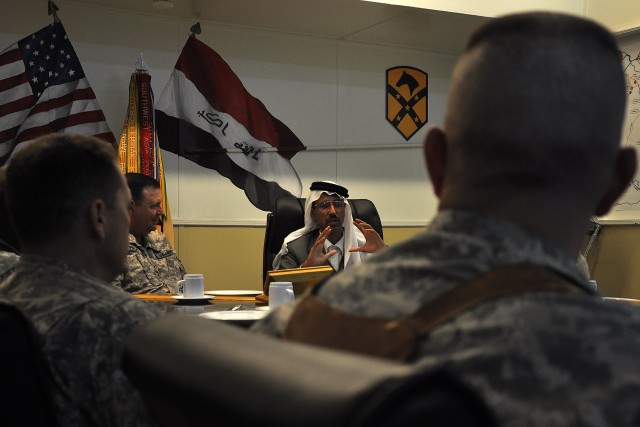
330, 187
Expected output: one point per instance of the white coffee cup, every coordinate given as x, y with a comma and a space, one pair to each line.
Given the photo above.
280, 293
191, 286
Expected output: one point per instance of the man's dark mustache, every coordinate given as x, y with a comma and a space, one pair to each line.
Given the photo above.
333, 216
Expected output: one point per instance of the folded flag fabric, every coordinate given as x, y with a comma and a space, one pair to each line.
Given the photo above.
43, 89
138, 150
206, 115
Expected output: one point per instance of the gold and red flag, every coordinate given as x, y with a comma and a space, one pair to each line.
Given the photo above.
139, 150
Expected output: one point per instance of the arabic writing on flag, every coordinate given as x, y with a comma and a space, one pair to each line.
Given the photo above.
43, 89
138, 150
206, 115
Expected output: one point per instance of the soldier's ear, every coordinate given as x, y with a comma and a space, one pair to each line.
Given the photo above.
622, 176
435, 157
96, 218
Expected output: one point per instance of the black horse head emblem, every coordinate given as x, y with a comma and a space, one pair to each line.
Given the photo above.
409, 80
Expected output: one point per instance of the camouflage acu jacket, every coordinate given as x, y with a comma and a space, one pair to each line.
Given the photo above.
153, 266
538, 358
82, 323
7, 261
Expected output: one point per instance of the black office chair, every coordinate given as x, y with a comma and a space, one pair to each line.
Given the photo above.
198, 372
24, 395
288, 216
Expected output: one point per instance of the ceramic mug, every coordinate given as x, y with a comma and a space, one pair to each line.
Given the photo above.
191, 286
280, 293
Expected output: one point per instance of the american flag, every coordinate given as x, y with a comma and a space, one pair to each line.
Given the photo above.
43, 89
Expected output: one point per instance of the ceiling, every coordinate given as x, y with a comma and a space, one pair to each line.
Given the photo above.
352, 20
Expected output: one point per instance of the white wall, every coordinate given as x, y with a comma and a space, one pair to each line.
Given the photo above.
626, 210
330, 93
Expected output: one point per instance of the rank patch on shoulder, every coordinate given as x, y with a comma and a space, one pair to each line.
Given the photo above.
407, 99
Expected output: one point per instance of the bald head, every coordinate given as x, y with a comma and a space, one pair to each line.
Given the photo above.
532, 128
536, 105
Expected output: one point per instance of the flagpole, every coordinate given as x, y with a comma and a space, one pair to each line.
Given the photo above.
141, 65
51, 10
195, 29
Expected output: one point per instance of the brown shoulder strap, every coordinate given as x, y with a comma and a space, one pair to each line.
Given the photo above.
315, 322
498, 282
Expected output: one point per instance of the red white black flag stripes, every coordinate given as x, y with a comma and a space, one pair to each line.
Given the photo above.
43, 89
206, 115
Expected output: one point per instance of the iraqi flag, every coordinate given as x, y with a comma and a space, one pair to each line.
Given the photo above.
206, 115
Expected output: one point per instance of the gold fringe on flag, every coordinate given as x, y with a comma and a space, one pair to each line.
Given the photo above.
139, 150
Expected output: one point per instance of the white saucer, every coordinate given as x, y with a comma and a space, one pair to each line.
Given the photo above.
234, 292
234, 316
202, 298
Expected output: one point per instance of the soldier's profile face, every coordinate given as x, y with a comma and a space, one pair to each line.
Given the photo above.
148, 213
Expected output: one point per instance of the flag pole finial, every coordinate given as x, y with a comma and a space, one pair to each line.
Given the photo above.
52, 9
141, 65
195, 29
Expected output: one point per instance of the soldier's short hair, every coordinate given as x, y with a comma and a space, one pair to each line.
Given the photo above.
537, 104
54, 179
137, 182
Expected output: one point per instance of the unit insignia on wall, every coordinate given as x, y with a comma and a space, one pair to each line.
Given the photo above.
407, 99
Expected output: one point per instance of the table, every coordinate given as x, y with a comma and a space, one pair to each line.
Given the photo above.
166, 304
623, 300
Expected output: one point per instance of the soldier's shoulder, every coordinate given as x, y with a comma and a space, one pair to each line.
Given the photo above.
157, 238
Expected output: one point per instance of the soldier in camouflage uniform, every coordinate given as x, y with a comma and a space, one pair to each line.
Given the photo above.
529, 152
62, 282
8, 240
153, 265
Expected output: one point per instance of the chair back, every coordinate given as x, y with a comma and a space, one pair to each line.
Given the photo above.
288, 216
24, 395
223, 375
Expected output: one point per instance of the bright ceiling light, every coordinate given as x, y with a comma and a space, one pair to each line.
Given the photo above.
491, 8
